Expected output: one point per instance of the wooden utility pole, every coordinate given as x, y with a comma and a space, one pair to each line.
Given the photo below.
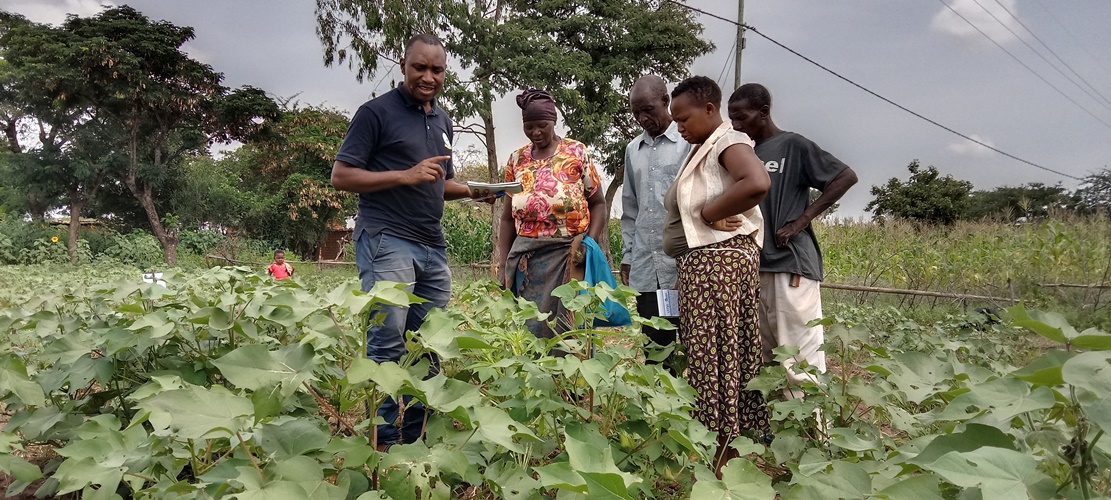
740, 41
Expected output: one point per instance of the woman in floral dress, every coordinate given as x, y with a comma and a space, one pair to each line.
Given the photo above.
561, 200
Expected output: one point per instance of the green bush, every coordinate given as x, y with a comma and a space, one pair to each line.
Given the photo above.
23, 241
469, 233
200, 242
614, 232
137, 248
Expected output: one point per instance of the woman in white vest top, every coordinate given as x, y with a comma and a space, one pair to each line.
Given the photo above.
714, 231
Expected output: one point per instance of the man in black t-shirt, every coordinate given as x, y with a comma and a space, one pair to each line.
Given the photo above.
397, 156
790, 261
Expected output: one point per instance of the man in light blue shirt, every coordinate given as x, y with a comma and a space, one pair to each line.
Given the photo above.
652, 161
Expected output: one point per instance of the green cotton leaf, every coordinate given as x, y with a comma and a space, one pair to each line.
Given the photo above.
848, 439
439, 332
499, 428
561, 475
353, 483
19, 468
295, 468
836, 481
740, 480
299, 304
1091, 371
198, 412
1004, 397
355, 450
274, 490
512, 481
393, 294
220, 319
67, 350
1099, 413
588, 451
323, 490
14, 380
998, 472
848, 334
159, 323
291, 437
389, 376
746, 446
974, 437
268, 403
786, 447
214, 317
255, 367
450, 396
1092, 340
1050, 325
605, 486
917, 375
409, 467
73, 475
917, 487
1045, 370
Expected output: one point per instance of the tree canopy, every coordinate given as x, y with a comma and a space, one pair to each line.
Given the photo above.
927, 196
587, 54
116, 98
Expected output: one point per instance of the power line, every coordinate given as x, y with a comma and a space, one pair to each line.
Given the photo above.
1069, 33
882, 98
1024, 65
1051, 51
1039, 54
728, 63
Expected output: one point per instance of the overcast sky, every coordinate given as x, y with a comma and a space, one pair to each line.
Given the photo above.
916, 53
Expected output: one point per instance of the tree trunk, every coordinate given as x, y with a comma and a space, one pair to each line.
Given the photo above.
75, 208
492, 169
618, 180
11, 131
167, 237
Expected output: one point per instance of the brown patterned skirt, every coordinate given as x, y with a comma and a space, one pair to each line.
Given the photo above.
718, 303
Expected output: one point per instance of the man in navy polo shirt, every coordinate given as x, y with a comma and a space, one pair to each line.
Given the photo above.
397, 156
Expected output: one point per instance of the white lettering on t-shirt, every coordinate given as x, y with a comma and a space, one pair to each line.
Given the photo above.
776, 166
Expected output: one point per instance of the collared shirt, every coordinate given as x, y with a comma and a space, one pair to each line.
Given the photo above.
394, 132
651, 165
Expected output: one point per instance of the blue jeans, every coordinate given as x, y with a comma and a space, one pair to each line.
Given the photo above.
385, 257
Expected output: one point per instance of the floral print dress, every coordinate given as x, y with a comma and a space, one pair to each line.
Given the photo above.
553, 202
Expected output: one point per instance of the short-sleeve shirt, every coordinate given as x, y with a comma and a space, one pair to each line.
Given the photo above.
553, 200
795, 165
394, 132
280, 271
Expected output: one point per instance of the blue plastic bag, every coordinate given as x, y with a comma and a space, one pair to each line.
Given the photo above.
598, 271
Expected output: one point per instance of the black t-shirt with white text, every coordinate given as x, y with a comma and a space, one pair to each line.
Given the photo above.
795, 165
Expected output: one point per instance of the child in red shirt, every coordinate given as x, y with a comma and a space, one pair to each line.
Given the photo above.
280, 269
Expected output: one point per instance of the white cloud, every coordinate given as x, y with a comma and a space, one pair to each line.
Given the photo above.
964, 147
54, 11
945, 21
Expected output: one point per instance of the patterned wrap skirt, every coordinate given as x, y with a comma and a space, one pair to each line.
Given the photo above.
719, 302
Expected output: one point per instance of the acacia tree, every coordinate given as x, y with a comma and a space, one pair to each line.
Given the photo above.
1094, 193
288, 170
926, 196
163, 104
64, 161
588, 54
1011, 203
